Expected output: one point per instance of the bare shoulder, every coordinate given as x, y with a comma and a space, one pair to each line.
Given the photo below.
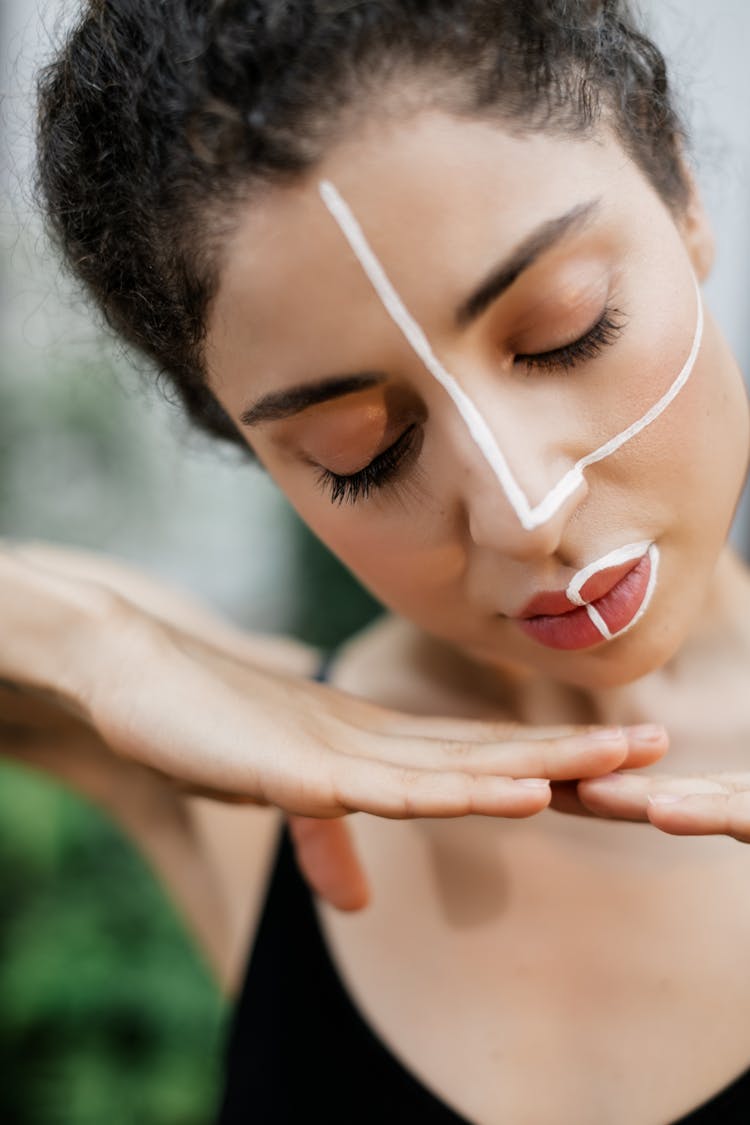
236, 844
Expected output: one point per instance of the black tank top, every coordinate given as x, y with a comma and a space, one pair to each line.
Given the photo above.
300, 1052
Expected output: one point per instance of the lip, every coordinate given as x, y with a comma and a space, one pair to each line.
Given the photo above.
618, 607
557, 602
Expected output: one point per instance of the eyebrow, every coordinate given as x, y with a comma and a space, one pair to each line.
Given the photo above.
282, 404
542, 239
277, 405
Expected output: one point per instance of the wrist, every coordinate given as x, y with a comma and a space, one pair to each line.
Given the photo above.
55, 628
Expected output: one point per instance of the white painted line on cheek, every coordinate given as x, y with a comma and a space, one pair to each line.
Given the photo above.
659, 407
529, 517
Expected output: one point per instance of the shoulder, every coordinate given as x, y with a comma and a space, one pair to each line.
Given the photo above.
236, 845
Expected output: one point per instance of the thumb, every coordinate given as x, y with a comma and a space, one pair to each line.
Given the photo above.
328, 860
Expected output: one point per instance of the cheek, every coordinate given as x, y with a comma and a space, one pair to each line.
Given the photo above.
692, 455
712, 433
404, 556
685, 472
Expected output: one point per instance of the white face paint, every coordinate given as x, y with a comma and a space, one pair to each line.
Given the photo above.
632, 552
530, 516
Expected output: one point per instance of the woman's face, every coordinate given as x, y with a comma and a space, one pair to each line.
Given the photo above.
585, 333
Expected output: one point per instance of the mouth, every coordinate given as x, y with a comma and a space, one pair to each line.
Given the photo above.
615, 597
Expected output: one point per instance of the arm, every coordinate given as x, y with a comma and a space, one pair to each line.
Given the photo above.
160, 698
211, 856
188, 846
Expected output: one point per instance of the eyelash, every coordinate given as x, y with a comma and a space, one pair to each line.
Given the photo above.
385, 467
376, 475
606, 330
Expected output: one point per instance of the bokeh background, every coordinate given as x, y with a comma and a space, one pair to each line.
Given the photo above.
106, 1010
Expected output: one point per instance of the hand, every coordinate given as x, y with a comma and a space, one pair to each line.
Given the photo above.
326, 853
218, 711
711, 804
171, 701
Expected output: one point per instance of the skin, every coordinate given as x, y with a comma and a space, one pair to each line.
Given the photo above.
441, 546
553, 918
441, 201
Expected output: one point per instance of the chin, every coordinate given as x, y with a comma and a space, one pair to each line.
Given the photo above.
624, 660
647, 648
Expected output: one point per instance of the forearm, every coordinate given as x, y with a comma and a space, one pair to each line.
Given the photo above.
154, 814
54, 622
93, 576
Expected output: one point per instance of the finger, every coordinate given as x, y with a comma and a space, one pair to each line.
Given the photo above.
645, 752
649, 739
706, 814
561, 758
448, 728
733, 781
398, 793
327, 858
626, 795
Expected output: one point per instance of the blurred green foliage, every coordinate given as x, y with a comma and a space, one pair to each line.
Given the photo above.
331, 604
107, 1013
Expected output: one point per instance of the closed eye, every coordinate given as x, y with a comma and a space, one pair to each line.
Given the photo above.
381, 470
604, 333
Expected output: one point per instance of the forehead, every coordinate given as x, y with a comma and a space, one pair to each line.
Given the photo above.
441, 200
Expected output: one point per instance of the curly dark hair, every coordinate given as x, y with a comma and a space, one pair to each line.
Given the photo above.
155, 118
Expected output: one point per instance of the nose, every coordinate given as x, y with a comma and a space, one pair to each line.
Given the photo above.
492, 521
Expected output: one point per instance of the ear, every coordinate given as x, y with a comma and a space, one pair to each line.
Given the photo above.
695, 228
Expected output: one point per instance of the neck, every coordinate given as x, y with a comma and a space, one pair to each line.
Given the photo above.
700, 696
711, 663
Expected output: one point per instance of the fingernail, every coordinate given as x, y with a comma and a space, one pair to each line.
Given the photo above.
645, 732
665, 799
533, 782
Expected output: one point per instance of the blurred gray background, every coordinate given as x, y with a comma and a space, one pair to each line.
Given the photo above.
93, 454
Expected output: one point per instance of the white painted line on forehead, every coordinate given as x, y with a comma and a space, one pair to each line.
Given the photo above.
476, 424
529, 517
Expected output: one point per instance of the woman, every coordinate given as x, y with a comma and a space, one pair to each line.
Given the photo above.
438, 266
